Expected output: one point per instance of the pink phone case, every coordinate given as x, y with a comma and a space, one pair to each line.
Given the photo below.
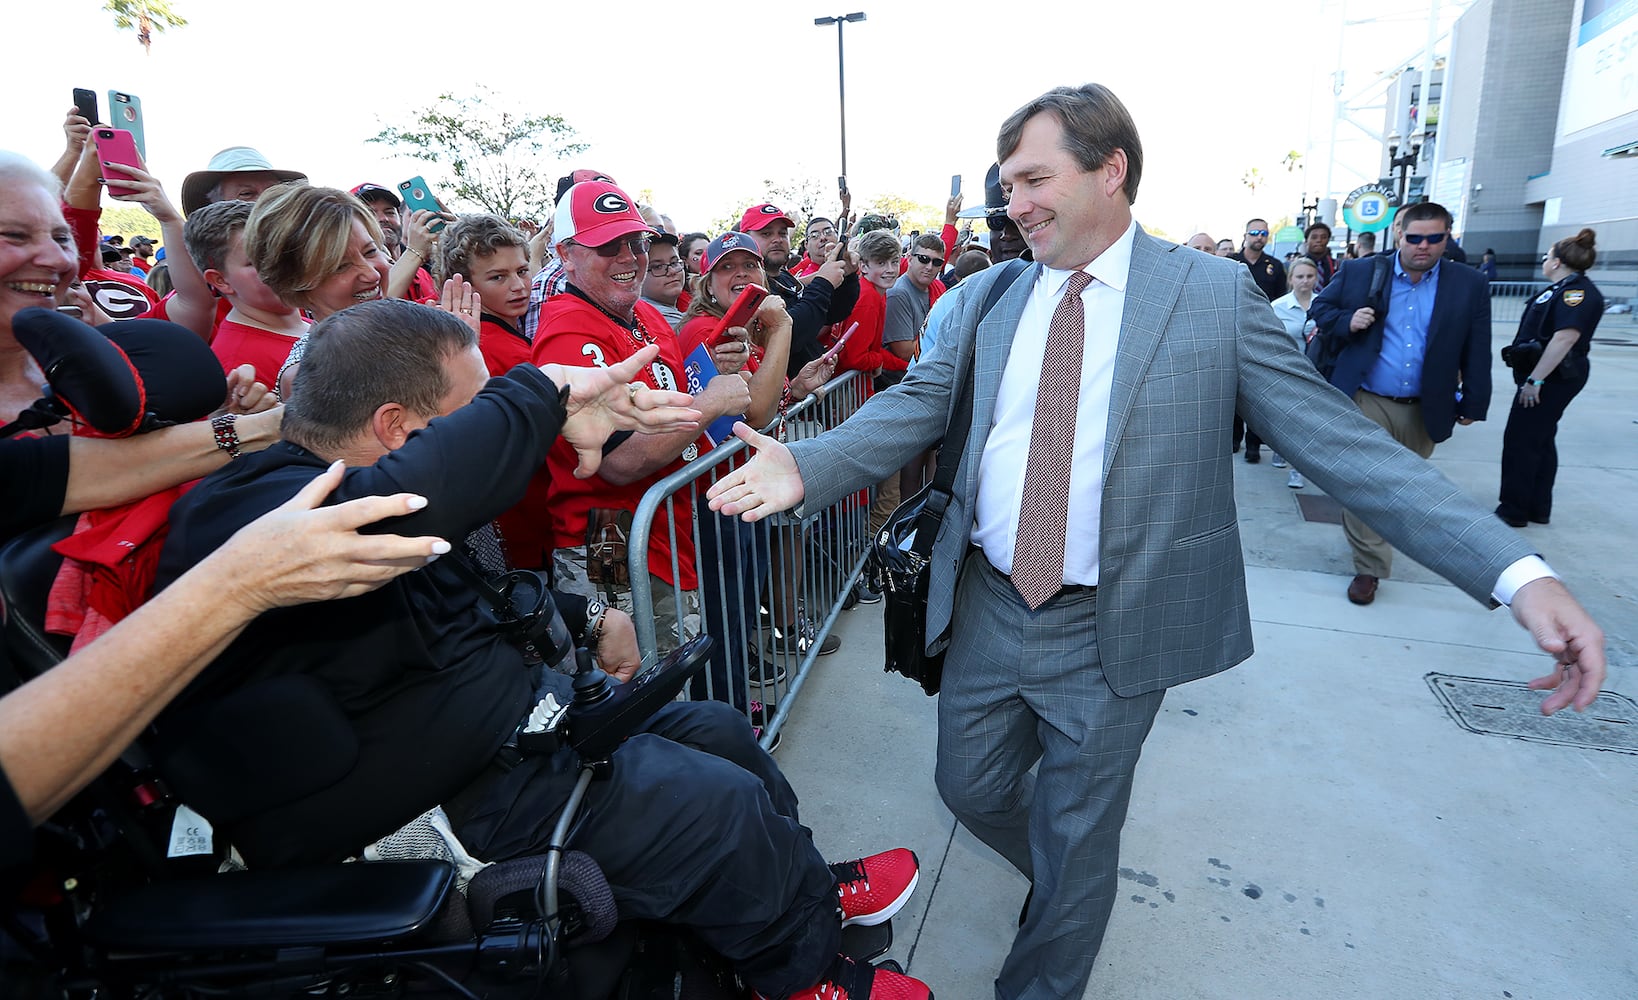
115, 146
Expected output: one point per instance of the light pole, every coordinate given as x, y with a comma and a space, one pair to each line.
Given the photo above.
1404, 164
841, 73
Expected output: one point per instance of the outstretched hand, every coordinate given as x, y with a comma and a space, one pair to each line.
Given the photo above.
462, 301
302, 552
769, 483
1563, 629
605, 400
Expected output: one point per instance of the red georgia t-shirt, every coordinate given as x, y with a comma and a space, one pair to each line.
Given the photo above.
236, 344
574, 332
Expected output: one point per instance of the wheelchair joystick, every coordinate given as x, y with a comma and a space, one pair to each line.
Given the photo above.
591, 684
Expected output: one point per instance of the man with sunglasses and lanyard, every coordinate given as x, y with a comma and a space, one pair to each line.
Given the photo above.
1416, 357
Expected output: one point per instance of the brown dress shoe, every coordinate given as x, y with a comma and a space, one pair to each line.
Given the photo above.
1363, 589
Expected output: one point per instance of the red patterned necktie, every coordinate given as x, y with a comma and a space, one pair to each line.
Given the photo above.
1043, 516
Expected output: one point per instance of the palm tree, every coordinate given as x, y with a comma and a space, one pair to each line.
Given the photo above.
147, 16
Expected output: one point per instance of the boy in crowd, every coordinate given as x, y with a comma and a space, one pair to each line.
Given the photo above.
259, 329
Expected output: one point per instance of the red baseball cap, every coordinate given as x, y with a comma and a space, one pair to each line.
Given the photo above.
759, 217
593, 213
724, 245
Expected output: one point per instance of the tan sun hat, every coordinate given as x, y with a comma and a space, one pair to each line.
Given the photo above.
233, 160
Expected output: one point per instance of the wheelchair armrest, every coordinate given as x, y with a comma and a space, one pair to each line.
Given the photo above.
339, 904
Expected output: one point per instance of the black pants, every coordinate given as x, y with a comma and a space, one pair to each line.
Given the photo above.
694, 825
1254, 444
1529, 462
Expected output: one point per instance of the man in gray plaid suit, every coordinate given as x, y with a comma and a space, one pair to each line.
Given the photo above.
1147, 588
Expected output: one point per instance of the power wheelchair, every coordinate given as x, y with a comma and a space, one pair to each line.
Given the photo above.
107, 914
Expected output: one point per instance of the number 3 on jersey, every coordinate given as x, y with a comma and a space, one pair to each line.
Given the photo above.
660, 372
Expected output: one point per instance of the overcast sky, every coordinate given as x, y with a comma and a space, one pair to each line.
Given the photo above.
701, 101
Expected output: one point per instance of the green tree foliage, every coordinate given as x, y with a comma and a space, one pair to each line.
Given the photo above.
800, 199
913, 216
146, 16
129, 221
497, 160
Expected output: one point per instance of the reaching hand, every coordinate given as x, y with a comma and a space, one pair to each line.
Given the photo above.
605, 400
767, 484
301, 552
1563, 629
617, 651
813, 376
245, 394
462, 301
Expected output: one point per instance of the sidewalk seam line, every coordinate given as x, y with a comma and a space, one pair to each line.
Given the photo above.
932, 895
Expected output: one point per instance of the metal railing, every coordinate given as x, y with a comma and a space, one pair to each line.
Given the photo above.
768, 592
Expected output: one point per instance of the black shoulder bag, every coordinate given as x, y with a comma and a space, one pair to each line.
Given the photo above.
897, 563
1326, 347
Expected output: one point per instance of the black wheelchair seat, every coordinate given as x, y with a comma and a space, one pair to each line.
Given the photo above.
342, 904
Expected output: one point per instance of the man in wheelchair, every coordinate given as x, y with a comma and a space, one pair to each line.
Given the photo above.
324, 727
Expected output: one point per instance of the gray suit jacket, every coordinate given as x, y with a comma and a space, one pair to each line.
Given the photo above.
1197, 340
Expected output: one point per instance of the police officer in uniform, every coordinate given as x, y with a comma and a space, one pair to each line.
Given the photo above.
1562, 320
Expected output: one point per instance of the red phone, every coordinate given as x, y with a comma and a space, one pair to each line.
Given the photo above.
115, 145
739, 314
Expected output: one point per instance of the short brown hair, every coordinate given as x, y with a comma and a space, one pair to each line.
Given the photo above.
385, 351
474, 236
209, 232
1095, 124
877, 246
1577, 252
297, 236
930, 241
1423, 211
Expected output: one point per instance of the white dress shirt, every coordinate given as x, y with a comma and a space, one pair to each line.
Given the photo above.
1006, 450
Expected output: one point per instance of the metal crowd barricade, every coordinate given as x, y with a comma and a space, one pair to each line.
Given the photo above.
768, 592
1508, 299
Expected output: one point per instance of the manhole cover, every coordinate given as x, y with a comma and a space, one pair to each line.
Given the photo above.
1509, 708
1319, 508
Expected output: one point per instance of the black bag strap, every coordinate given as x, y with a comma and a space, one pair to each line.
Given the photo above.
961, 423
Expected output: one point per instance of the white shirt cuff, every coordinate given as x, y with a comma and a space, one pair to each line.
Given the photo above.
1524, 571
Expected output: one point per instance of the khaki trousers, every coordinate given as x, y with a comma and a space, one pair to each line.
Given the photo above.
1373, 556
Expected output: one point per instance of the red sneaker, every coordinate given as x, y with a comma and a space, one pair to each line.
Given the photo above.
860, 981
870, 890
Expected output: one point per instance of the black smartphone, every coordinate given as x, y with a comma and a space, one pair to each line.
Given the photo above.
841, 181
85, 102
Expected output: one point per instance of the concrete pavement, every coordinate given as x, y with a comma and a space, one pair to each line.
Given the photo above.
1312, 823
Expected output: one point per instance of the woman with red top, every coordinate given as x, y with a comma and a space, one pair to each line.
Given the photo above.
730, 264
494, 255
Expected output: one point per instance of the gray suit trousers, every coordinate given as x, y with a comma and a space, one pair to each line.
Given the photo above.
1022, 689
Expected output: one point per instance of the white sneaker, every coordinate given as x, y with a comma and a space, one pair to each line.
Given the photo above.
1279, 463
1294, 480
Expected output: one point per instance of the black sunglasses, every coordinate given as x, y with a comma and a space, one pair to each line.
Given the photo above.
1417, 239
999, 221
922, 258
638, 245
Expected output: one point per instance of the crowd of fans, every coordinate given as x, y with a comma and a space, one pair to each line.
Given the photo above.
596, 323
